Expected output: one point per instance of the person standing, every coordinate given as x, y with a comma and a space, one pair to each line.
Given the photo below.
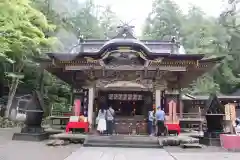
101, 121
110, 120
160, 118
150, 122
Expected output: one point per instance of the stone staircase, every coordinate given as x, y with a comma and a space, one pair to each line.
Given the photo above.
125, 141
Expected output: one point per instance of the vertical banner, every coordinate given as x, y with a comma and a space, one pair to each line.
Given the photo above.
170, 109
77, 107
163, 100
81, 101
85, 103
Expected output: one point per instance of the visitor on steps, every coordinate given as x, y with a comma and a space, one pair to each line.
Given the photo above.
101, 121
110, 120
151, 122
160, 118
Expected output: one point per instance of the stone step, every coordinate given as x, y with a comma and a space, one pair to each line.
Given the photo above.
121, 141
193, 145
122, 145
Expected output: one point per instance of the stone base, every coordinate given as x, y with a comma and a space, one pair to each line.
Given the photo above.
177, 140
210, 141
122, 141
30, 136
193, 145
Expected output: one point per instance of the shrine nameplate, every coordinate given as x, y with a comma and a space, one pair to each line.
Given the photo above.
124, 67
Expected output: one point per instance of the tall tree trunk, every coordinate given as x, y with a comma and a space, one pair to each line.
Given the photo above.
12, 91
41, 81
11, 95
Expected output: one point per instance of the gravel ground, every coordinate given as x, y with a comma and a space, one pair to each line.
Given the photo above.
18, 150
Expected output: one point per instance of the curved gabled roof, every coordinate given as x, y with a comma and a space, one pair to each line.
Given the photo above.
125, 42
151, 48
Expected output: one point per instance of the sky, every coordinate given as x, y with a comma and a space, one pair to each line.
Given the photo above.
135, 11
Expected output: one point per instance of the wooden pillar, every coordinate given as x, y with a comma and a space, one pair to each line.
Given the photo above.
159, 86
157, 97
71, 96
181, 106
179, 96
90, 105
201, 126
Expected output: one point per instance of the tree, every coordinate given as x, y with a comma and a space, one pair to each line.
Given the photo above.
108, 23
164, 21
72, 19
22, 28
229, 71
198, 33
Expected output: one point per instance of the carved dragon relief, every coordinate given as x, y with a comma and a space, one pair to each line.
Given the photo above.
122, 57
101, 83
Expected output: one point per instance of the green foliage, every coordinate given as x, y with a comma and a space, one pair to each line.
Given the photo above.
30, 27
22, 29
164, 21
199, 33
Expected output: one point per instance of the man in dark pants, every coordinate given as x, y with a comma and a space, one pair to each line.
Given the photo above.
160, 118
150, 122
110, 120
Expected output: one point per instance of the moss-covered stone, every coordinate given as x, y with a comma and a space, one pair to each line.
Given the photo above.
178, 140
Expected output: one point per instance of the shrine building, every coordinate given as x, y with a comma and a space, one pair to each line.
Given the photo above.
128, 74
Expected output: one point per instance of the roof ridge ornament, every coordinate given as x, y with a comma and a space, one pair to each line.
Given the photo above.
125, 31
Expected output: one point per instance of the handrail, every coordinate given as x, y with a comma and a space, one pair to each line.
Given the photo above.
58, 112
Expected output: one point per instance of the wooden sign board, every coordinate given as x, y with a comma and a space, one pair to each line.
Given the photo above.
230, 112
172, 117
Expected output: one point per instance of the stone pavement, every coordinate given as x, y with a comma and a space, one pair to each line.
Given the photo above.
95, 153
144, 154
20, 150
17, 150
206, 156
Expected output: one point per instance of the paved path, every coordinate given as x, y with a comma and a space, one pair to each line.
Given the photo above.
20, 150
144, 154
96, 153
17, 150
206, 156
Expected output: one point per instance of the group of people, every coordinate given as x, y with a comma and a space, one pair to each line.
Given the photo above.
156, 120
105, 120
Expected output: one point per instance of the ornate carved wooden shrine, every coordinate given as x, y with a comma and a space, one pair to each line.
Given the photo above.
124, 58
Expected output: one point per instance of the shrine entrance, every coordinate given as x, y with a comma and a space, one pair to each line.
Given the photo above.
131, 108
